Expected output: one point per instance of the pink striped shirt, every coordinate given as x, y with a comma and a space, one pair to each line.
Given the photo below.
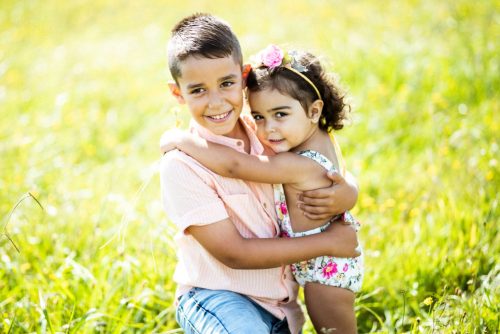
193, 195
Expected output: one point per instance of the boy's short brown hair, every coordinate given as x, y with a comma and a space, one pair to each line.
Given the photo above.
201, 35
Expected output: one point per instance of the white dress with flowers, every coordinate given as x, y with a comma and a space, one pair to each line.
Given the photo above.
340, 272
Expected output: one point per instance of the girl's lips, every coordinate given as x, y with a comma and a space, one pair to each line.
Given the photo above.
276, 141
219, 118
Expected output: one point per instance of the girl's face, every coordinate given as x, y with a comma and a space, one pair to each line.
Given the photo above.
282, 122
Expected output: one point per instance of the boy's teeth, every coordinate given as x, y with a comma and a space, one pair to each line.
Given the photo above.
221, 116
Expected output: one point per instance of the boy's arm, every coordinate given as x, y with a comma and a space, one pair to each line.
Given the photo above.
326, 202
188, 199
225, 243
286, 167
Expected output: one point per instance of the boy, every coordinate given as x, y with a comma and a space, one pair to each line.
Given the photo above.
228, 224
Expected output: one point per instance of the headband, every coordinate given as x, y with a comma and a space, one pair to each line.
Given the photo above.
272, 57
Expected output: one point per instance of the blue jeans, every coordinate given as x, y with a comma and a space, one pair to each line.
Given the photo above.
202, 311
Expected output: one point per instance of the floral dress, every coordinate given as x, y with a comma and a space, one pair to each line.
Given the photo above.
340, 272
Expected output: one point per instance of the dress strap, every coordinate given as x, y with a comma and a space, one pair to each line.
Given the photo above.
319, 158
338, 152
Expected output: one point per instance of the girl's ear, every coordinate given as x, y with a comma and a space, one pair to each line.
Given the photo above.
176, 92
315, 110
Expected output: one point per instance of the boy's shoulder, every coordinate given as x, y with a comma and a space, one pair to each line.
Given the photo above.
179, 163
249, 121
175, 159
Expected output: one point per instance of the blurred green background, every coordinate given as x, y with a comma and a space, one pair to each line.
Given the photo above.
83, 102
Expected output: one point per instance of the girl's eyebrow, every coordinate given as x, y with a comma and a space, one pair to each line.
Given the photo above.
279, 108
273, 109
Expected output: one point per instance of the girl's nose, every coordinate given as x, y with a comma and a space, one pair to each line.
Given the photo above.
270, 127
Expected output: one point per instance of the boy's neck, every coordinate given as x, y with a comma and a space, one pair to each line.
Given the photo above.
240, 133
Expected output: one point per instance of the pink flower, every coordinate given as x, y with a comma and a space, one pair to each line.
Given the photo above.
284, 234
346, 267
330, 269
283, 208
272, 56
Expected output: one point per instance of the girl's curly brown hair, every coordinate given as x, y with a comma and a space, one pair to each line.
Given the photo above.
287, 82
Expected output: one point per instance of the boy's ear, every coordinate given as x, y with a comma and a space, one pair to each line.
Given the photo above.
244, 74
176, 92
315, 110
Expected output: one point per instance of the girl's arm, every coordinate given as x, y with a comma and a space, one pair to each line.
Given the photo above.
223, 241
284, 168
316, 204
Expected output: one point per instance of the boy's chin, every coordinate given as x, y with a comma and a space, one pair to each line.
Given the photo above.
225, 129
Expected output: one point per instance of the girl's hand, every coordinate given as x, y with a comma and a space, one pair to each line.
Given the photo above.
171, 139
343, 240
327, 202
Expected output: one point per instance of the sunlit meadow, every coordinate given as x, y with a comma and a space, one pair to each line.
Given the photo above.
85, 245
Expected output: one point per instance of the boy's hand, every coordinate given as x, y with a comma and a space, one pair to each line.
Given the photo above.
170, 139
327, 202
343, 240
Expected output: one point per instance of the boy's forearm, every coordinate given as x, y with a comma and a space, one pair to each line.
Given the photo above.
223, 241
270, 253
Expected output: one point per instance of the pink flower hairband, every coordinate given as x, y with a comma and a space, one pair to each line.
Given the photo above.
272, 57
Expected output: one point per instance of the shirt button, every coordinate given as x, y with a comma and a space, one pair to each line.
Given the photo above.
264, 205
239, 143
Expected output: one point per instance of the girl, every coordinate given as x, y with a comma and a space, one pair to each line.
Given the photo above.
295, 106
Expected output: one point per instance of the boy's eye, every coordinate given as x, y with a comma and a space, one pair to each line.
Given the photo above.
197, 91
227, 84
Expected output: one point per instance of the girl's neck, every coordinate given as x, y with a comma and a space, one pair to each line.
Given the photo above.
312, 142
320, 142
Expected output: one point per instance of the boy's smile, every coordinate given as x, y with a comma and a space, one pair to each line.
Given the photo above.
212, 89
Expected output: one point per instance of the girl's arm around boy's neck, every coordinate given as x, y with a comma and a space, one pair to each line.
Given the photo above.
283, 168
319, 203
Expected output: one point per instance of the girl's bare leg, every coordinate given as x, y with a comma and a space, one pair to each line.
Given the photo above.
331, 309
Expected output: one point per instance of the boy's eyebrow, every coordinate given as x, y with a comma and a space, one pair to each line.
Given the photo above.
191, 86
197, 85
227, 77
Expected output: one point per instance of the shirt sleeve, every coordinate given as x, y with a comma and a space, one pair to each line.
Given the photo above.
188, 192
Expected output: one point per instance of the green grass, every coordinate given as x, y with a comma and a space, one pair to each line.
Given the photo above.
83, 101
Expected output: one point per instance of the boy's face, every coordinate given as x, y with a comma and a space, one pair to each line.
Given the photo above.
212, 90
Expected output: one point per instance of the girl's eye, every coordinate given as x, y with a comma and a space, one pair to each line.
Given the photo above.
280, 114
257, 117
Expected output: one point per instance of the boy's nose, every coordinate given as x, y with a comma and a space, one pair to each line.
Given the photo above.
214, 101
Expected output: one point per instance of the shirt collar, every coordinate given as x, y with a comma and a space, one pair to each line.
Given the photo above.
256, 147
